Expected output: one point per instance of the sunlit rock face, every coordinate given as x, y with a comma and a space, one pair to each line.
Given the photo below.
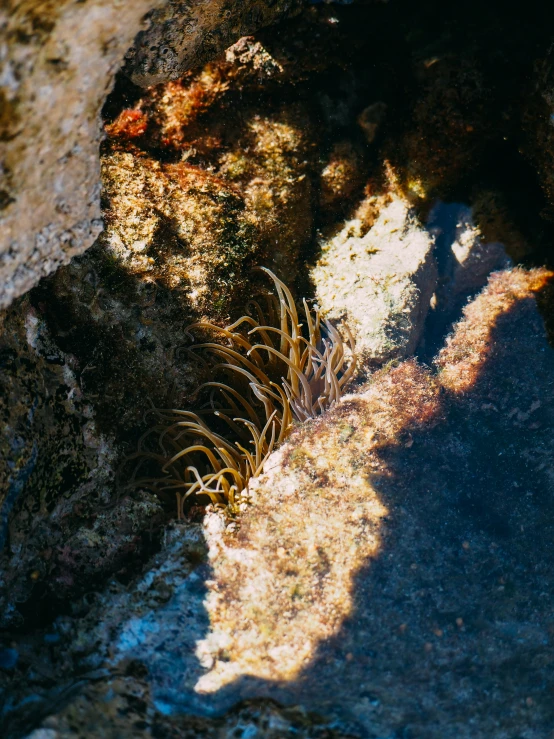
364, 566
57, 67
389, 547
284, 582
380, 281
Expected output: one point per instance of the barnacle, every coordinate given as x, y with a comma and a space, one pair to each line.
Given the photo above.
274, 374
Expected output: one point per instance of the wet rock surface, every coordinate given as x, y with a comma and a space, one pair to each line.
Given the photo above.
183, 35
372, 570
391, 574
49, 145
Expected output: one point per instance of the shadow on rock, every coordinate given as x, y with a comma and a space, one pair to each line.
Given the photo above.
393, 576
450, 628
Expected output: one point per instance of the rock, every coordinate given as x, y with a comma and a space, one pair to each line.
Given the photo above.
293, 566
184, 35
178, 227
180, 242
390, 573
108, 709
450, 122
49, 141
342, 177
193, 197
496, 221
386, 548
465, 262
61, 527
365, 565
379, 282
58, 64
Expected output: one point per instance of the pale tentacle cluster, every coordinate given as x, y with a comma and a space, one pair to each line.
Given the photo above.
275, 375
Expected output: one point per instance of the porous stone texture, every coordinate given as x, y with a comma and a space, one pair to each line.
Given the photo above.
185, 34
58, 62
209, 174
239, 192
395, 550
380, 282
190, 205
61, 528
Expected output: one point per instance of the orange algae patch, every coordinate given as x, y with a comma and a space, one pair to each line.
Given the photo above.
471, 344
131, 123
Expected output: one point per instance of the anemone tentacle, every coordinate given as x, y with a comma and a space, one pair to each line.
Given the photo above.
275, 375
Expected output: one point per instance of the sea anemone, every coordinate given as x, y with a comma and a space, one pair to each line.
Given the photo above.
274, 375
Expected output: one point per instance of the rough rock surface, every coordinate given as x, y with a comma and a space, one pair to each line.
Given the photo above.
393, 570
57, 65
396, 549
193, 197
185, 34
380, 282
60, 527
228, 194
